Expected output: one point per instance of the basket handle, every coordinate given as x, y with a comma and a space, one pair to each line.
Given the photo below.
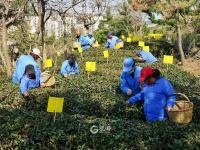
183, 95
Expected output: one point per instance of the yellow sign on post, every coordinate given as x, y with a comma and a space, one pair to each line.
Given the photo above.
80, 50
128, 40
122, 37
146, 48
55, 104
72, 49
48, 63
119, 45
168, 59
90, 66
130, 34
106, 54
58, 54
137, 38
96, 44
140, 43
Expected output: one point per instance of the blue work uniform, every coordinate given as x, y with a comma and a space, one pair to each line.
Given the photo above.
111, 43
148, 57
156, 98
85, 42
27, 84
67, 69
131, 82
21, 64
91, 39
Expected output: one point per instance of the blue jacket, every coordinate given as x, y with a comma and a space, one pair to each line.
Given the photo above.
21, 64
85, 42
91, 40
129, 82
27, 84
111, 43
156, 98
148, 57
67, 69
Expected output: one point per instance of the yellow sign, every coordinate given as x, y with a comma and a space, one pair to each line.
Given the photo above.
122, 37
80, 50
142, 44
58, 54
106, 54
90, 66
156, 36
168, 59
130, 34
55, 104
48, 63
119, 45
72, 49
137, 38
128, 40
96, 44
146, 48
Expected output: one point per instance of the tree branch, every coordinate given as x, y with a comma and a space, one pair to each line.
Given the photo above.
34, 9
48, 16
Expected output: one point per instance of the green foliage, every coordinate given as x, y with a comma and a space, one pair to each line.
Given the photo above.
25, 124
23, 39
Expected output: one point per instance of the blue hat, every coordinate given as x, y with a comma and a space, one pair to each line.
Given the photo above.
90, 34
139, 51
128, 64
109, 34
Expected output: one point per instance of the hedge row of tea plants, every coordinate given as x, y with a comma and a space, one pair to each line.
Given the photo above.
25, 123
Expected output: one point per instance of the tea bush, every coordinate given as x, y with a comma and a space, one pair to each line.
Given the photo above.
25, 124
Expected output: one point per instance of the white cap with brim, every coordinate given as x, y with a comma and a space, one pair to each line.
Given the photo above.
128, 64
36, 51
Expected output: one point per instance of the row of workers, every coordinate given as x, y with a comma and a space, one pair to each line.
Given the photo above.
141, 83
147, 84
87, 41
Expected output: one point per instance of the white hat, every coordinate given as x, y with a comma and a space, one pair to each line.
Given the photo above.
36, 51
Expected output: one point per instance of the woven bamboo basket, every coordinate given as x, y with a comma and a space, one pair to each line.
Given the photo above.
182, 110
48, 80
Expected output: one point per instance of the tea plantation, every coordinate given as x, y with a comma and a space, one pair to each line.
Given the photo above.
26, 124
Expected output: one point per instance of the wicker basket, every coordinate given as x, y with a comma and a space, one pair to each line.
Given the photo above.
182, 110
48, 80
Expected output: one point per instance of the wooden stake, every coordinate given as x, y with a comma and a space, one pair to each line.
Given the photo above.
107, 60
54, 118
88, 75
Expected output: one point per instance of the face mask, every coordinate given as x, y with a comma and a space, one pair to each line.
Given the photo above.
71, 63
77, 36
32, 76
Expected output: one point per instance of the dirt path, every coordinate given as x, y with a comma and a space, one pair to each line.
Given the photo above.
192, 66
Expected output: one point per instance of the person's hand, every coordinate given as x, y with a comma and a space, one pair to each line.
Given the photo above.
42, 85
26, 94
127, 104
129, 92
65, 75
168, 108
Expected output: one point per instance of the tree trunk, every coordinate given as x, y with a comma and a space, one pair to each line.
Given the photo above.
65, 31
179, 38
8, 64
42, 32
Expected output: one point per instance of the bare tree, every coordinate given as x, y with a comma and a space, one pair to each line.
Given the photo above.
43, 11
90, 11
11, 12
63, 7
